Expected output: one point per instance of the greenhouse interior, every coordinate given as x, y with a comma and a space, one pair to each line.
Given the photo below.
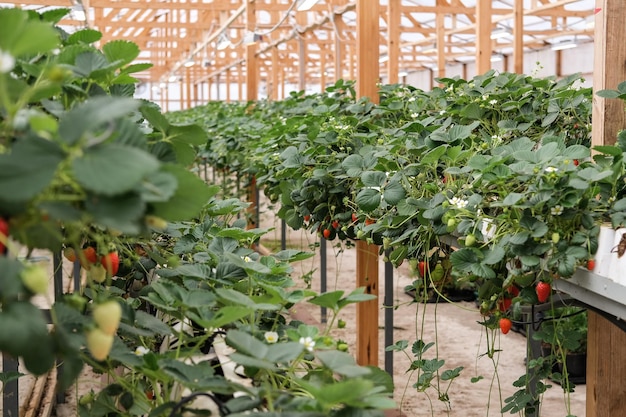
310, 208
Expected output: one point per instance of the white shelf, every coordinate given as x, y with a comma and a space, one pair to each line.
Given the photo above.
596, 291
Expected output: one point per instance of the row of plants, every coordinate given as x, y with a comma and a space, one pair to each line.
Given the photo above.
489, 181
168, 269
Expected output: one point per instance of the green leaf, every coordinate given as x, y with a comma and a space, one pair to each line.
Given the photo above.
153, 115
247, 344
482, 271
229, 314
283, 352
20, 36
89, 62
512, 198
87, 36
29, 168
92, 114
130, 69
368, 199
113, 169
608, 93
472, 111
342, 363
120, 50
373, 178
188, 134
191, 195
329, 299
393, 193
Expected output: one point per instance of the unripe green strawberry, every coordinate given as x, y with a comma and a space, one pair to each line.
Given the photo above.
99, 344
438, 273
156, 222
341, 323
35, 278
555, 238
470, 240
97, 273
107, 316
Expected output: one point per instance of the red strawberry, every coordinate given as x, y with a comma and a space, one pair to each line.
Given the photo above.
543, 291
4, 234
504, 304
307, 218
591, 264
335, 224
505, 325
111, 262
70, 254
326, 233
89, 253
421, 267
355, 218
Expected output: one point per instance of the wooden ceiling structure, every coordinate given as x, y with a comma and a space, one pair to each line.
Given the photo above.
210, 41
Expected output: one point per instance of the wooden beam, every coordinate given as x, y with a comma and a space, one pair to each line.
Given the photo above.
367, 15
606, 354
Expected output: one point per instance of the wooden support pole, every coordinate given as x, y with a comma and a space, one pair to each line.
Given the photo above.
301, 64
393, 40
606, 352
441, 44
483, 37
518, 37
228, 82
367, 32
275, 73
609, 70
338, 54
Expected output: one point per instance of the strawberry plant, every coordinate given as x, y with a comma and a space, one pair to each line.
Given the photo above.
83, 167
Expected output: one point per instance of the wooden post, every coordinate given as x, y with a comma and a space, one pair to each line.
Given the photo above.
518, 37
275, 73
441, 43
367, 32
606, 352
338, 54
393, 41
483, 37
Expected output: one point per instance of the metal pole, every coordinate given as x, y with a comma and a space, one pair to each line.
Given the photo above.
323, 274
388, 304
283, 234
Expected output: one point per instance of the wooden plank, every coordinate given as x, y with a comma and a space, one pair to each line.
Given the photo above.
483, 37
606, 368
367, 32
606, 354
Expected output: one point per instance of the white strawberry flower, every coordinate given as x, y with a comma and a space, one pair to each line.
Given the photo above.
7, 62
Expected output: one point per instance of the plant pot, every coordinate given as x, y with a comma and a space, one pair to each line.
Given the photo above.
617, 271
576, 366
603, 256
